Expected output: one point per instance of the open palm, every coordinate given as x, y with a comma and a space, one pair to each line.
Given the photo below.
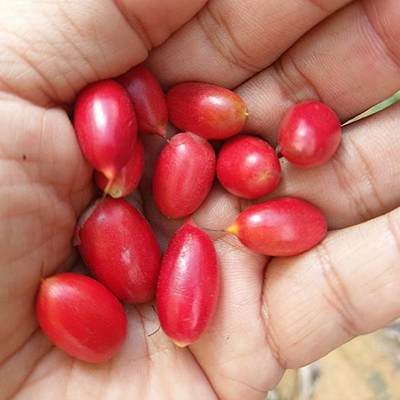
273, 313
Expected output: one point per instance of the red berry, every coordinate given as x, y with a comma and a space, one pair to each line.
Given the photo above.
106, 127
281, 227
188, 287
183, 175
209, 111
148, 100
128, 177
309, 134
120, 249
248, 167
81, 317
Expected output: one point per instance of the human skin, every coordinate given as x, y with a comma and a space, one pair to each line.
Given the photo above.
273, 314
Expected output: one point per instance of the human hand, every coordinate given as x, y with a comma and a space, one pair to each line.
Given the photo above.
273, 313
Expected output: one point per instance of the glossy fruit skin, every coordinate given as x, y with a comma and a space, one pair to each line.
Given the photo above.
184, 174
148, 100
282, 227
120, 249
128, 177
81, 317
188, 287
106, 126
209, 111
310, 134
248, 167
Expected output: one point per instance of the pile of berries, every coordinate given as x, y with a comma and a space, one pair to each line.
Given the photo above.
84, 316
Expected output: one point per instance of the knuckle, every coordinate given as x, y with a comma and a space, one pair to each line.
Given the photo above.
219, 33
347, 181
295, 86
336, 293
271, 333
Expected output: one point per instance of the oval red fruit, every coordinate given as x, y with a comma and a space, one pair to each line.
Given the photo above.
248, 167
310, 134
120, 249
81, 317
183, 175
209, 111
127, 178
282, 227
188, 287
148, 100
106, 126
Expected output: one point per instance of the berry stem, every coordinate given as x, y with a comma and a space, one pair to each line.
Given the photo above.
151, 334
234, 229
214, 230
41, 272
107, 189
181, 345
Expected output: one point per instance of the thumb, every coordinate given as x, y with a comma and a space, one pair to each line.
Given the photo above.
52, 49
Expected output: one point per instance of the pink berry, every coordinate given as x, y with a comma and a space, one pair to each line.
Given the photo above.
148, 100
120, 249
209, 111
106, 126
283, 227
183, 175
81, 317
248, 167
309, 134
128, 177
188, 288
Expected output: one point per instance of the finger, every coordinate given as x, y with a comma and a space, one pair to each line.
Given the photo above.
230, 41
52, 49
345, 287
360, 182
44, 184
350, 61
234, 352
